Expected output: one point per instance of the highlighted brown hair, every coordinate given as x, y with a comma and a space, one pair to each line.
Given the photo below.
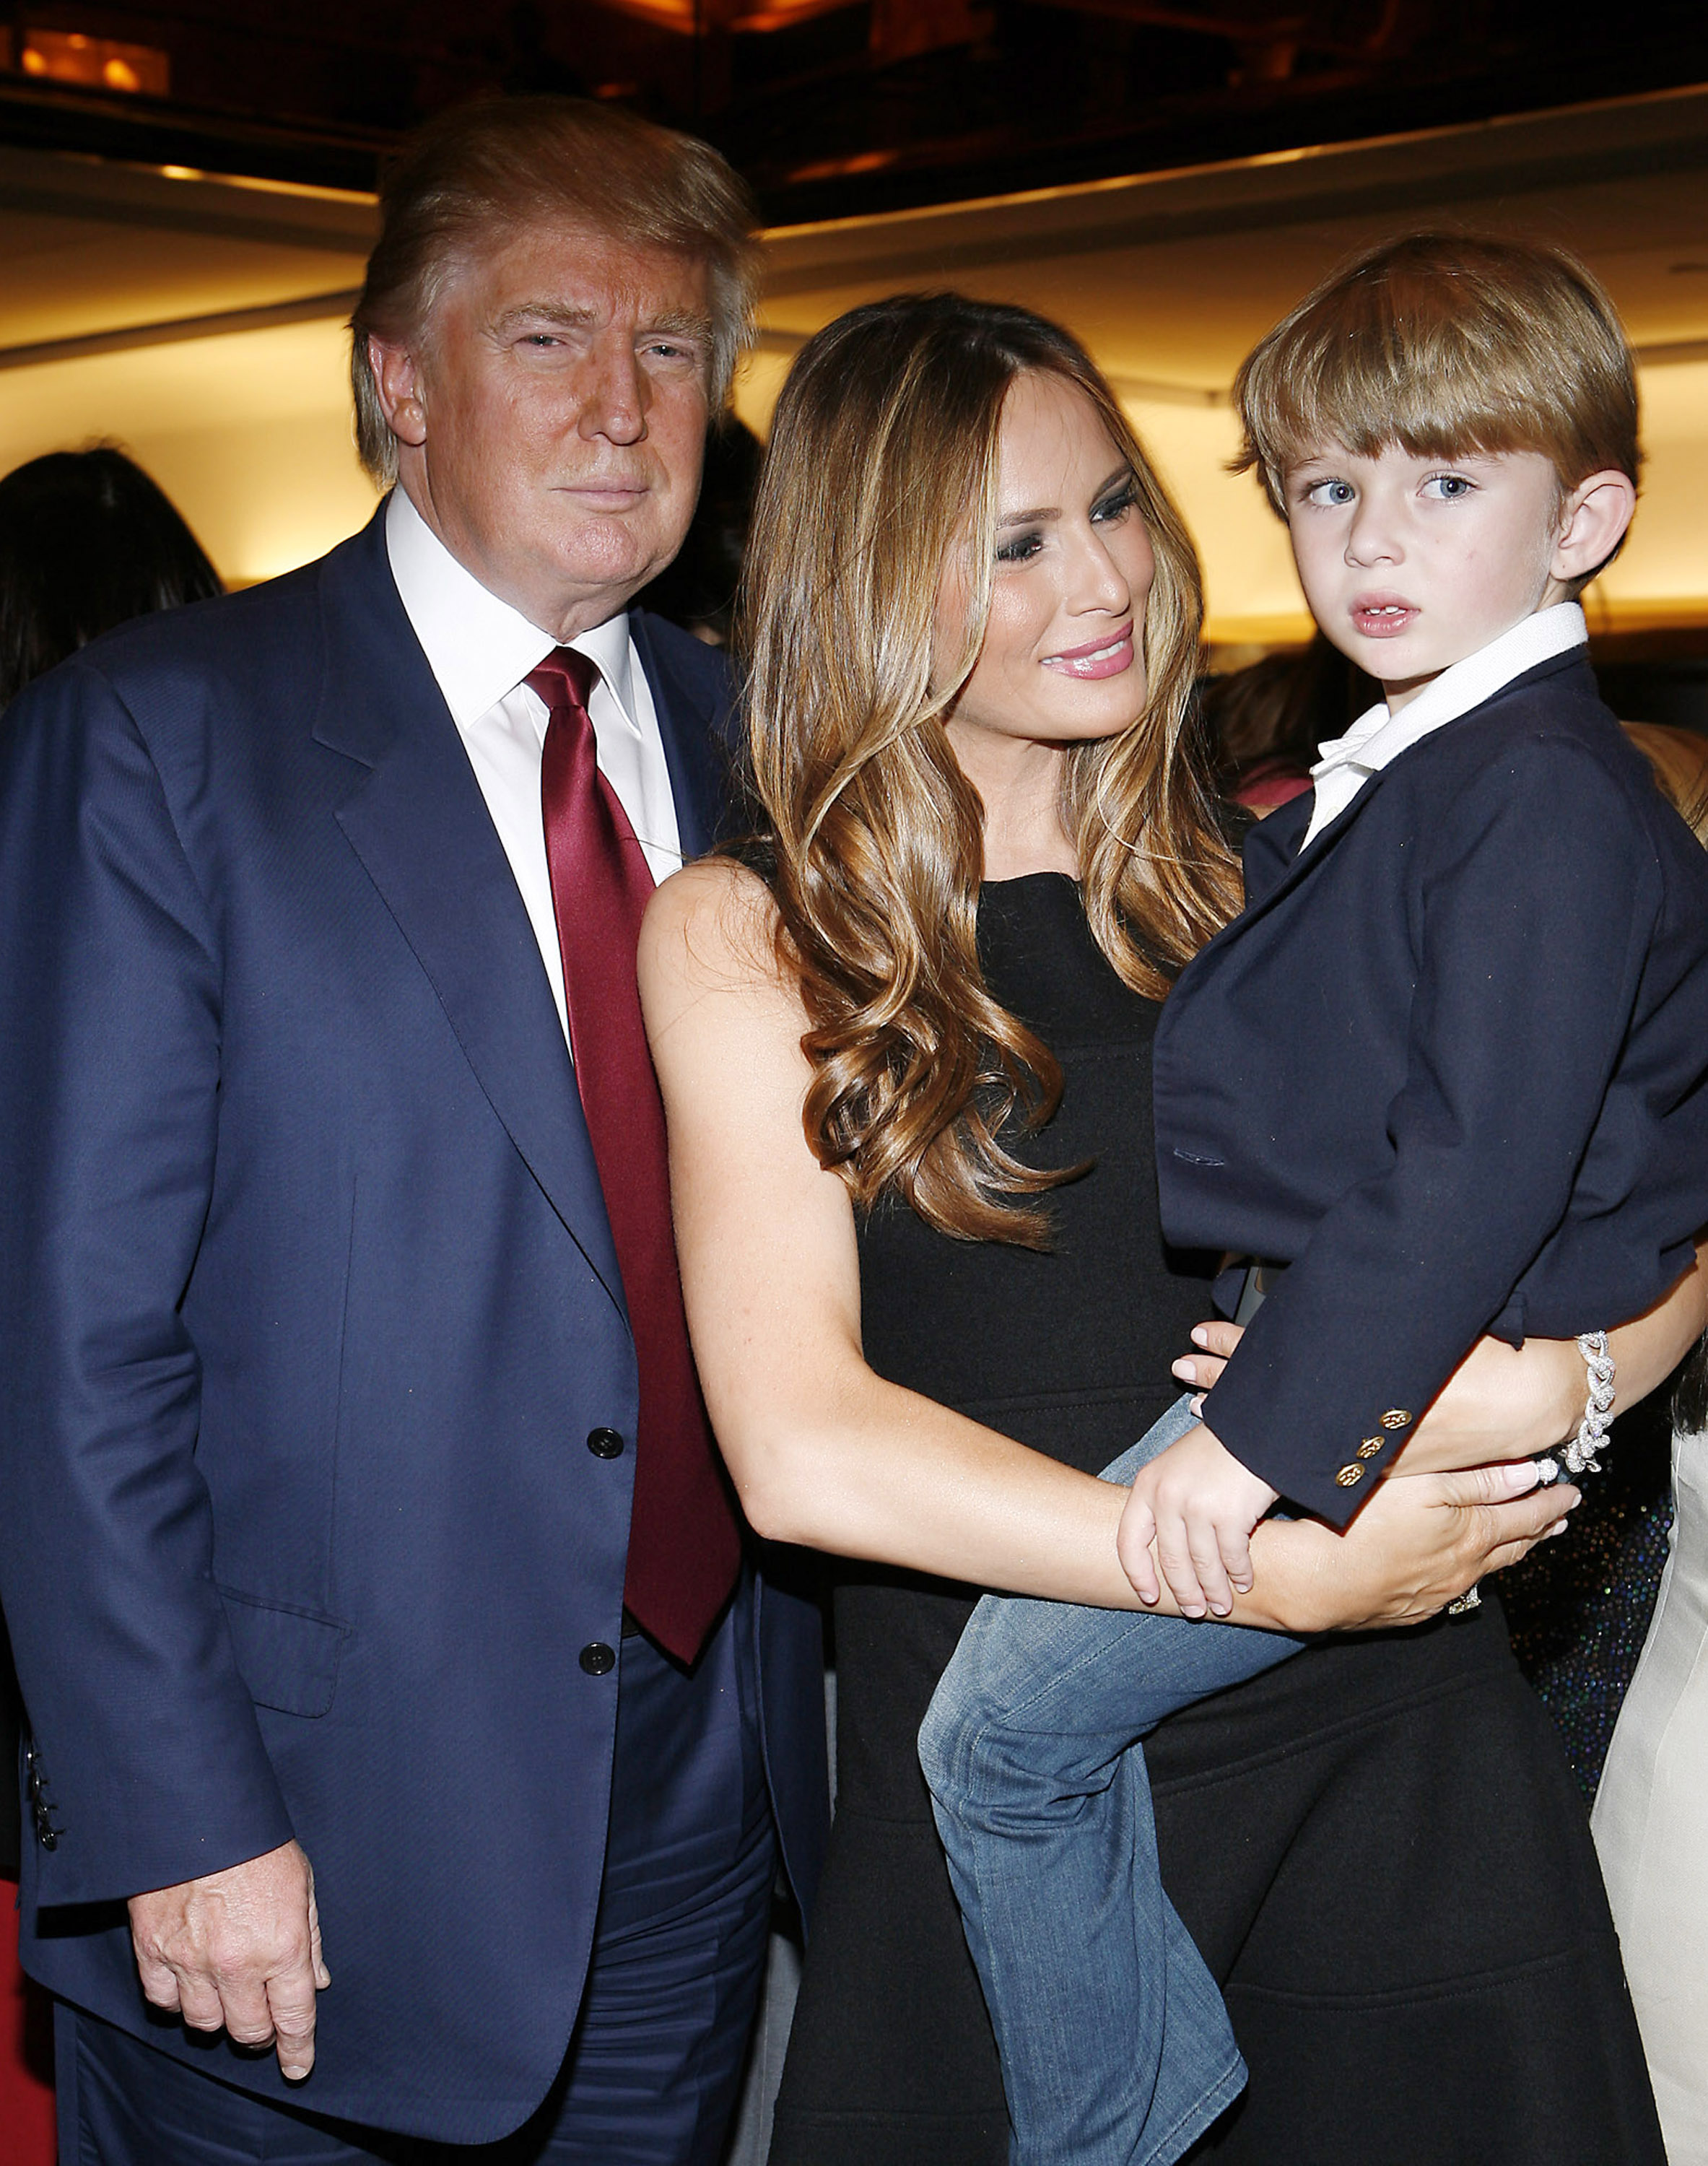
479, 172
1445, 344
882, 464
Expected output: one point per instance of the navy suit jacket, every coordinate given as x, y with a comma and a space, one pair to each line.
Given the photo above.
309, 1303
1450, 1066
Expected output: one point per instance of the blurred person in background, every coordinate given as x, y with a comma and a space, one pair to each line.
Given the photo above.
1264, 723
88, 541
697, 589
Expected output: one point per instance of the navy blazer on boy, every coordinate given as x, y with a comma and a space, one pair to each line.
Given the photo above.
1449, 1065
310, 1313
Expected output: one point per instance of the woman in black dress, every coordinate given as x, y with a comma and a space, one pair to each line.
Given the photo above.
904, 1051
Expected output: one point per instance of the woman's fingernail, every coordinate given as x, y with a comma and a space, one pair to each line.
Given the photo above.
1520, 1475
1186, 1371
1557, 1528
1201, 1334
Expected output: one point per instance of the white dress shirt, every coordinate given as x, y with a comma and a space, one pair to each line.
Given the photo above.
1347, 764
480, 649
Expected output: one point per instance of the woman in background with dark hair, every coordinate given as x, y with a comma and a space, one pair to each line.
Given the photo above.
88, 541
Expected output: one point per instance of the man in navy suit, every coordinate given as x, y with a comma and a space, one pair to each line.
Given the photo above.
369, 1564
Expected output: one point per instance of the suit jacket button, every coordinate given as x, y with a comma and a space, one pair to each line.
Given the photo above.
1350, 1475
49, 1839
605, 1443
1395, 1418
1371, 1445
597, 1659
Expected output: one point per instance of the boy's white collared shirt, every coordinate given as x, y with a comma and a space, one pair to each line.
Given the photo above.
480, 651
1346, 764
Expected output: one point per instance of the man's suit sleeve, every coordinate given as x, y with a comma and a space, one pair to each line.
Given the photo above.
1536, 914
146, 1739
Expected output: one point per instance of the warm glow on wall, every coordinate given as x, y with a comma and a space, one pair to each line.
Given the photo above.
98, 63
249, 434
691, 16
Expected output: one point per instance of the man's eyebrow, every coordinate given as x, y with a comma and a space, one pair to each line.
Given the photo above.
563, 313
678, 323
569, 315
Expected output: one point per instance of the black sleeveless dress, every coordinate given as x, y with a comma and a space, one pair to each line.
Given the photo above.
1378, 1845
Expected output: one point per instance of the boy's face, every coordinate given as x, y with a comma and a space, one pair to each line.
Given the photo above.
1411, 564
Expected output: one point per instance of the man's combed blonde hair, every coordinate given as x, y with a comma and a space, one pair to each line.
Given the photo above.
481, 172
883, 468
1445, 344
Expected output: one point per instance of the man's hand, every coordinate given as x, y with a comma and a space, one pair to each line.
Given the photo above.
1200, 1505
238, 1950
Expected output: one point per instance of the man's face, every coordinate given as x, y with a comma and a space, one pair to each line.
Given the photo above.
1411, 564
559, 396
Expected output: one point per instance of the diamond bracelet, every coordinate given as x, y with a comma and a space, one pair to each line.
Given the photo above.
1578, 1455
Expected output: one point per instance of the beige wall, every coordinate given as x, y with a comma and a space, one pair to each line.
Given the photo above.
249, 434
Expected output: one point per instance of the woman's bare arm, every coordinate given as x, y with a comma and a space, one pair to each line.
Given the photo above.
1505, 1403
826, 1453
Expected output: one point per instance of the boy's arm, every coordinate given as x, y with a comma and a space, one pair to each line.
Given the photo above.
1537, 913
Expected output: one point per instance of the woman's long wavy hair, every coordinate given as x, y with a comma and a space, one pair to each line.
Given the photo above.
881, 471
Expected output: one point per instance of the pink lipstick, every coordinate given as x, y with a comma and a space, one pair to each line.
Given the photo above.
1107, 657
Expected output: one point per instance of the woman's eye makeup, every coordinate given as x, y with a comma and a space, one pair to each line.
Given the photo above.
1020, 546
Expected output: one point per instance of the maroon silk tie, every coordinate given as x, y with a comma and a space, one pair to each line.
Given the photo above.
684, 1546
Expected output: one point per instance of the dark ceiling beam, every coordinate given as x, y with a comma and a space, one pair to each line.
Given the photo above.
1427, 171
62, 184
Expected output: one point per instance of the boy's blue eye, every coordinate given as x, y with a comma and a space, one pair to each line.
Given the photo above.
1330, 492
1449, 487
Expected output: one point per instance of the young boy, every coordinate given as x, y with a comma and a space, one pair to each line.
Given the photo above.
1444, 1076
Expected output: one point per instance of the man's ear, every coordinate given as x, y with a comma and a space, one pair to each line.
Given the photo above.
1593, 523
397, 375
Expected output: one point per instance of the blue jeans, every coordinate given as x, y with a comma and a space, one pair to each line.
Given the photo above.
1116, 2050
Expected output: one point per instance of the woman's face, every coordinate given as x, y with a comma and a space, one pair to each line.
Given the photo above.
1063, 660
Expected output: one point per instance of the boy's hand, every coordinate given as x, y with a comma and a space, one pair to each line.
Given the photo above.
1217, 1341
1200, 1505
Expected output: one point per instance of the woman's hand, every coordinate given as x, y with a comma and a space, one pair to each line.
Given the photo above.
1414, 1547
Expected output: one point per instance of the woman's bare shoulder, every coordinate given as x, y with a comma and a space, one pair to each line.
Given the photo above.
711, 928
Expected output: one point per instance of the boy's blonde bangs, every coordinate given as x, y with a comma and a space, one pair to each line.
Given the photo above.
1444, 344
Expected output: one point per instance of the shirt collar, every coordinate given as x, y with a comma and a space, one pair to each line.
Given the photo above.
1378, 737
479, 647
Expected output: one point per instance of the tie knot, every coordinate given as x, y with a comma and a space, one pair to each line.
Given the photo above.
565, 678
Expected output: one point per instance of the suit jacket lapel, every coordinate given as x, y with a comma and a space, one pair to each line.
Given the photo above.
1274, 863
690, 732
419, 825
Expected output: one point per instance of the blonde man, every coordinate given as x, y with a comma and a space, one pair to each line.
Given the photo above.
360, 1510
